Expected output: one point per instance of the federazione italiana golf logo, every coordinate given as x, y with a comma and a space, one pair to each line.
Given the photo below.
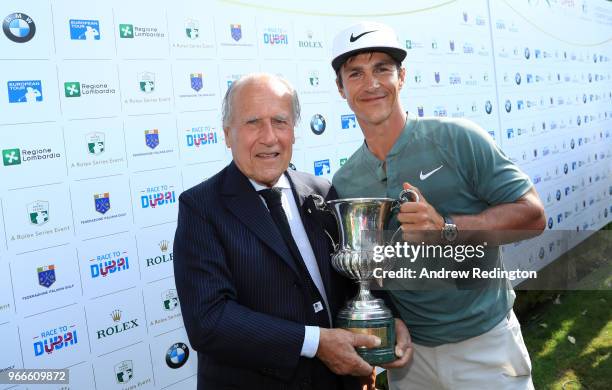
152, 140
132, 31
102, 206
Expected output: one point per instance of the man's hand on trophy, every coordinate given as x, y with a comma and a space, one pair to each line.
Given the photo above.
403, 346
419, 220
337, 351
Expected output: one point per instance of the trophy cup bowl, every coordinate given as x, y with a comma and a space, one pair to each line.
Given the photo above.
362, 223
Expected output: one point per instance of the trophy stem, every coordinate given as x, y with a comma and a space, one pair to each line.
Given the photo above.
364, 291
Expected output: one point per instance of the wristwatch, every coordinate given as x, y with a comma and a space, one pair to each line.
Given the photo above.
449, 231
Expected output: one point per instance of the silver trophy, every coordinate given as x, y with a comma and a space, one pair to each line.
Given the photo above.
362, 223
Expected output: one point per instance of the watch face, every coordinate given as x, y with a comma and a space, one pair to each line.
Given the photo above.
450, 232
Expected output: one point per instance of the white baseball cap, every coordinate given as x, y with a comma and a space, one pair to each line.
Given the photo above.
363, 37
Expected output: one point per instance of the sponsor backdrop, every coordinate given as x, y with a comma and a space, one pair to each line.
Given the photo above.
110, 109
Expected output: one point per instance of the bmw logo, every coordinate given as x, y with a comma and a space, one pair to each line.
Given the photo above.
488, 107
541, 253
18, 27
292, 167
317, 124
517, 78
508, 106
177, 355
527, 53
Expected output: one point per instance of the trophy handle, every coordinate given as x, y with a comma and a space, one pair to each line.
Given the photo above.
404, 196
320, 205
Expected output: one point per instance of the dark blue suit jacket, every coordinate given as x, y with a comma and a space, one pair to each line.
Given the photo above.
243, 299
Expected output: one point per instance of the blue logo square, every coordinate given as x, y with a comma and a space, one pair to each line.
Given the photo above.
84, 30
322, 167
348, 121
24, 91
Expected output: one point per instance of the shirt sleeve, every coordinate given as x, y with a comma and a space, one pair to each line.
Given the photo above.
311, 341
496, 179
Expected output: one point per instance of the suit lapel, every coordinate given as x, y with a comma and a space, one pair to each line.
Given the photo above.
241, 200
318, 240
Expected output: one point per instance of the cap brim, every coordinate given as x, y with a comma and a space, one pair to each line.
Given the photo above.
396, 53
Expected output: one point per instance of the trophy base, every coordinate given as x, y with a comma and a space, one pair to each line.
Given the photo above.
383, 328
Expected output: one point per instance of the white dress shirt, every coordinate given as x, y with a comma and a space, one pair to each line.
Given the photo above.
311, 338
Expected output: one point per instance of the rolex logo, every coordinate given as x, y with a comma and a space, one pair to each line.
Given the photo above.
116, 315
118, 327
163, 245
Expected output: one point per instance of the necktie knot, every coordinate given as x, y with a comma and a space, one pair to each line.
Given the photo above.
272, 196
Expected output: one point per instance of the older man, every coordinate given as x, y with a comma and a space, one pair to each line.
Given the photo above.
251, 265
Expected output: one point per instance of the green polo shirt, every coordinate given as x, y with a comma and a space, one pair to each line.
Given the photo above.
459, 170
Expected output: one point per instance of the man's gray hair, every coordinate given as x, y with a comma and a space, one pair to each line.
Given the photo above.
227, 109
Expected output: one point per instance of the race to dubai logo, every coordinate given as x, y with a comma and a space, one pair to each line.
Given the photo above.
19, 27
157, 196
275, 36
102, 202
109, 264
201, 135
51, 340
124, 371
38, 212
